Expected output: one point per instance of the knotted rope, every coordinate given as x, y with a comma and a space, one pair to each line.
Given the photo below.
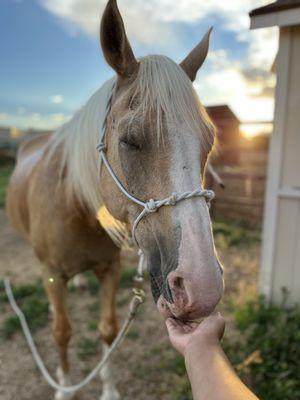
151, 205
136, 301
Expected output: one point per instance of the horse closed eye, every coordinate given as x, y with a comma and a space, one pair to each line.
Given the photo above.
129, 143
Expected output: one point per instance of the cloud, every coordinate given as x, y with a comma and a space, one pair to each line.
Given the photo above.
249, 102
248, 90
260, 82
141, 24
3, 116
263, 45
155, 23
35, 120
57, 99
144, 20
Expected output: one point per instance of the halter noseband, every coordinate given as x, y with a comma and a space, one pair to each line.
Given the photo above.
150, 206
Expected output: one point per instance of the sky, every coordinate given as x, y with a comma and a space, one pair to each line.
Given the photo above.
51, 60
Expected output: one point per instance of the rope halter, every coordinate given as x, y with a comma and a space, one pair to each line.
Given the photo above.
150, 206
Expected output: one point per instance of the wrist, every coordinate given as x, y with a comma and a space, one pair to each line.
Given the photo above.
200, 348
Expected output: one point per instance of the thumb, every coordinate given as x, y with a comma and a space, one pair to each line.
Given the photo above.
171, 325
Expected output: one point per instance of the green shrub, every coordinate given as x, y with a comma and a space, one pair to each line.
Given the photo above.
229, 234
22, 291
92, 282
5, 172
267, 349
127, 277
32, 300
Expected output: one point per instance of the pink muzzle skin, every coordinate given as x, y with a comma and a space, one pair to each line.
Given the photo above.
191, 299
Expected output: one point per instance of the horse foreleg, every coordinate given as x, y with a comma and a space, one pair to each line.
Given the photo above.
108, 327
56, 288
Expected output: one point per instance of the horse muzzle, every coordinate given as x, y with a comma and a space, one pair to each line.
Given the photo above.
191, 298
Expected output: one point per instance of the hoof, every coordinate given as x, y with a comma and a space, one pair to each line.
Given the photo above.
63, 396
63, 381
111, 394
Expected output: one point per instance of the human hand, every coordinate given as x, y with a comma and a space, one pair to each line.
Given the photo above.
184, 336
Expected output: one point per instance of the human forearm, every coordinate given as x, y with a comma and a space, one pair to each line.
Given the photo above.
211, 375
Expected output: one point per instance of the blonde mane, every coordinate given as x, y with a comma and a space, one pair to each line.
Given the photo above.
161, 86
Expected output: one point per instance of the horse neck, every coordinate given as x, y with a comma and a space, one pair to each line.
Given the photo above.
76, 141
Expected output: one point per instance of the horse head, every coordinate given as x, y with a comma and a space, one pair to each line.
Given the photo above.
158, 137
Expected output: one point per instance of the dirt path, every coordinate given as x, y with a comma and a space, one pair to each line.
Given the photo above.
144, 363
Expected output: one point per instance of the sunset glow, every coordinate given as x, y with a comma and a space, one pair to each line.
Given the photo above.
47, 91
249, 131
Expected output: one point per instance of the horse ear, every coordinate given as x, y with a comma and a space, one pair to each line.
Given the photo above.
192, 63
115, 45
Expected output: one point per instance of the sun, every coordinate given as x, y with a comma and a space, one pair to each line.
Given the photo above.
251, 130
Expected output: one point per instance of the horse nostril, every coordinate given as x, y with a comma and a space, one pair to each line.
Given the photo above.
178, 288
178, 283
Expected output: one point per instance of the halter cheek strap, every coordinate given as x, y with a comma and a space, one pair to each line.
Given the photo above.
151, 206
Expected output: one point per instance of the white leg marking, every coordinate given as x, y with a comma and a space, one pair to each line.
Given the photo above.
79, 281
110, 391
51, 309
63, 380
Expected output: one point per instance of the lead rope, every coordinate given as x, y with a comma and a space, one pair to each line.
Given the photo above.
149, 207
137, 299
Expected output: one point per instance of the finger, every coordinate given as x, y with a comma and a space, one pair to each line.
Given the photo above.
189, 327
172, 325
216, 323
177, 327
222, 324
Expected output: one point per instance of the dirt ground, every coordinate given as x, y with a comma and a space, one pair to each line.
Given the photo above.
141, 363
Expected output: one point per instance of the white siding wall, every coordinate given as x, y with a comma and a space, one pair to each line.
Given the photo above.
281, 247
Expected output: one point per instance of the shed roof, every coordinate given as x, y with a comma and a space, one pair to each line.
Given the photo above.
279, 5
221, 112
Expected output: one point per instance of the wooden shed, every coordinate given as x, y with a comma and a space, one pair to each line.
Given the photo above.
228, 134
280, 267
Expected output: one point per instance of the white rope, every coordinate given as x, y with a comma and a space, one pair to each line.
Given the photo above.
150, 206
137, 299
101, 148
153, 205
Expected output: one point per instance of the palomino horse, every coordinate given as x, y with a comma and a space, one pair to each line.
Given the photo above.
158, 137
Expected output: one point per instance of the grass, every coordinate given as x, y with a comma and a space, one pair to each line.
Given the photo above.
33, 302
93, 325
228, 234
5, 171
127, 277
265, 351
92, 283
266, 348
164, 358
133, 334
254, 322
88, 347
126, 280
